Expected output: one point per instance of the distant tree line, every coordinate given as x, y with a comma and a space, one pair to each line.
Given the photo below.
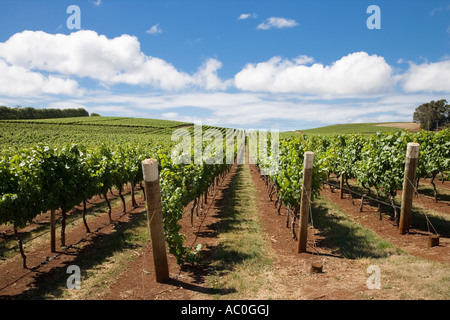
16, 113
433, 114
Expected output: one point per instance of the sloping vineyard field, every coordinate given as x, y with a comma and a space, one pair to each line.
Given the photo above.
57, 165
48, 165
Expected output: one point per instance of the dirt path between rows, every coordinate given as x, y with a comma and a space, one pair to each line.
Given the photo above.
341, 278
290, 275
137, 281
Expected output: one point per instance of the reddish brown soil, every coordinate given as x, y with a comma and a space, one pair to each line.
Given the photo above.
290, 275
290, 268
415, 243
7, 231
442, 206
41, 263
425, 198
138, 281
439, 184
293, 279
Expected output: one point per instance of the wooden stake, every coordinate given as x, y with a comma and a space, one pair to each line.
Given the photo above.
155, 219
52, 231
341, 186
433, 241
412, 155
316, 268
305, 201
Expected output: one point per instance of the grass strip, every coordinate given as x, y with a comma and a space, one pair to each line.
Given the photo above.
242, 257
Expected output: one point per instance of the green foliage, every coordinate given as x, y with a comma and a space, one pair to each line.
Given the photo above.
289, 176
379, 160
382, 162
376, 161
432, 114
41, 170
31, 113
85, 119
434, 152
41, 178
350, 128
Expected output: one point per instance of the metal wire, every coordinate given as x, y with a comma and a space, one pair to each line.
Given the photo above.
361, 195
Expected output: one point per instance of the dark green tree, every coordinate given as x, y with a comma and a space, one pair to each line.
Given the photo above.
432, 114
18, 112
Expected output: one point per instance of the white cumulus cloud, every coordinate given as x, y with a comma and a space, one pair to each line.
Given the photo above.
430, 77
18, 81
355, 74
206, 76
278, 23
110, 61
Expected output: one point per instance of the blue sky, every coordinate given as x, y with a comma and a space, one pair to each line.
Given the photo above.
246, 64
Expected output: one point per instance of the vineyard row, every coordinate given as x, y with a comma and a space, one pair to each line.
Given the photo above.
43, 178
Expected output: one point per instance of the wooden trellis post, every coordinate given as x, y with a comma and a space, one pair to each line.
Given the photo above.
412, 156
155, 219
305, 201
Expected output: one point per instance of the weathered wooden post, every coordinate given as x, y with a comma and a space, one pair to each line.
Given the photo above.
341, 186
155, 219
305, 201
412, 156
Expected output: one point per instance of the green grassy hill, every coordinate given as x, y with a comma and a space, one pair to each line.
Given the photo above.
109, 121
89, 131
364, 128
